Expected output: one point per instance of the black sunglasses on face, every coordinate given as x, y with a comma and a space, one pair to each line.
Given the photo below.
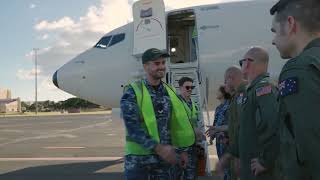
189, 87
245, 59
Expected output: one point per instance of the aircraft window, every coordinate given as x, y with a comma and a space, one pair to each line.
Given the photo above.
103, 43
117, 38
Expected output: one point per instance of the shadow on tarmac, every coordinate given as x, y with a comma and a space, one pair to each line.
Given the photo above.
74, 171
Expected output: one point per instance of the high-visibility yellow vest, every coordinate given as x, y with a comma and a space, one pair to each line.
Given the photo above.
192, 113
182, 133
194, 32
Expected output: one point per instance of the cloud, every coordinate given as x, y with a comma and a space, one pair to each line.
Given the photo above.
32, 6
98, 19
43, 37
66, 23
30, 55
24, 74
47, 89
71, 36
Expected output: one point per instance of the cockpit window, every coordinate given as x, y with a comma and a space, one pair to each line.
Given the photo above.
117, 38
103, 43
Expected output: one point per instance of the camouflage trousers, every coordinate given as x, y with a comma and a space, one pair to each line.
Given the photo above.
190, 172
139, 168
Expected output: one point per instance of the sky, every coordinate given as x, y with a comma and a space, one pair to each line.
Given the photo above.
61, 30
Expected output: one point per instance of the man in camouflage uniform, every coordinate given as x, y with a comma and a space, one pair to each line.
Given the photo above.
152, 115
296, 28
186, 87
257, 141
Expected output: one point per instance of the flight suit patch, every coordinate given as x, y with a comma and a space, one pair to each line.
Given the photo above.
288, 86
263, 90
244, 100
239, 98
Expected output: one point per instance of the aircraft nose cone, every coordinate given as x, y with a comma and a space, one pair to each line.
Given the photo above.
55, 79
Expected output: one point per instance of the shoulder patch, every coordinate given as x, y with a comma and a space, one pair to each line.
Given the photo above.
239, 98
244, 100
264, 90
288, 86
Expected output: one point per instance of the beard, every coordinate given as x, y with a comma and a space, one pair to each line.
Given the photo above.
158, 74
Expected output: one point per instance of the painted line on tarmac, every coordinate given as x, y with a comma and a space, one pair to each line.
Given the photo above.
57, 134
62, 159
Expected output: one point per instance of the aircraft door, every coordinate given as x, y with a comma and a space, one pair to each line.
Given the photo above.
182, 37
149, 26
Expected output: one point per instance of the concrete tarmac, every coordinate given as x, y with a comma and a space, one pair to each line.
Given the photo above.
62, 147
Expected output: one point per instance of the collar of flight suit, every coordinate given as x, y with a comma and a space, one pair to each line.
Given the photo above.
257, 80
313, 43
242, 87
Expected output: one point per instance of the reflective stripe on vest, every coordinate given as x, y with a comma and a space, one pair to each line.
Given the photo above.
182, 134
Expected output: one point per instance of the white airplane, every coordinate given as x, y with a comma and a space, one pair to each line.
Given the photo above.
224, 33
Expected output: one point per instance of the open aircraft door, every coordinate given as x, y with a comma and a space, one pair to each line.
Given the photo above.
149, 26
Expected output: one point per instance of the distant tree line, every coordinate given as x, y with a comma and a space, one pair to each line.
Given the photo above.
70, 103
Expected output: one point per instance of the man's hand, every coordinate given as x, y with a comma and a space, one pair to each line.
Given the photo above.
237, 166
211, 141
199, 134
184, 159
211, 131
256, 167
222, 163
167, 153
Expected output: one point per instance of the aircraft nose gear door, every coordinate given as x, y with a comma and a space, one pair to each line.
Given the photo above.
149, 26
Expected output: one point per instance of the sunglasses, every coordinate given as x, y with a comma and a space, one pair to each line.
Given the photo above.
245, 59
189, 87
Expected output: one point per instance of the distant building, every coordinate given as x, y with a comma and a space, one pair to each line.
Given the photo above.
7, 104
10, 105
5, 94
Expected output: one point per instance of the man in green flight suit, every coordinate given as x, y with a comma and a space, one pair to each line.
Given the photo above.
258, 133
236, 84
296, 29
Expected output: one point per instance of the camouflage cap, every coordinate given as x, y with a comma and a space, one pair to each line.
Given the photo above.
280, 6
153, 54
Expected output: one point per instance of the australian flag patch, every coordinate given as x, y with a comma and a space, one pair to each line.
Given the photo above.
288, 86
264, 90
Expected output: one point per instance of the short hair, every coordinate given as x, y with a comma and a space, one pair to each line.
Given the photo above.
305, 12
183, 80
259, 54
234, 71
223, 91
